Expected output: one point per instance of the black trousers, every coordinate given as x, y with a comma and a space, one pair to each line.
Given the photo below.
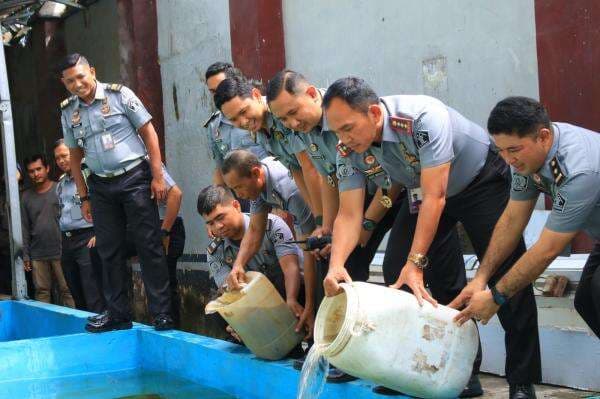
359, 262
124, 201
478, 208
82, 268
587, 296
175, 250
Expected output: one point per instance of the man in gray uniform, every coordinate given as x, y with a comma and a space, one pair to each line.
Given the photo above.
223, 136
247, 108
452, 174
277, 258
297, 104
557, 159
268, 185
110, 126
81, 264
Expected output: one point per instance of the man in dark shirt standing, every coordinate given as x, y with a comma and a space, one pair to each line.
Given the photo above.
41, 234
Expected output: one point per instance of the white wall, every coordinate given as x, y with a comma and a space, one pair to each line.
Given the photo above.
192, 34
488, 47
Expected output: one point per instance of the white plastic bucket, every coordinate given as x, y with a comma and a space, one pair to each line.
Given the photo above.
259, 315
383, 335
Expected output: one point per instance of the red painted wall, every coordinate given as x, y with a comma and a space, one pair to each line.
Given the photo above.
257, 45
568, 46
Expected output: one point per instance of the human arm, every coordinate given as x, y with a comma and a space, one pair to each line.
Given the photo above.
248, 248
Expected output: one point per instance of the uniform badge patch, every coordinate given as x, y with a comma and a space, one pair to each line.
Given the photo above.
75, 119
330, 180
134, 104
345, 170
409, 157
519, 183
559, 202
401, 125
229, 260
313, 147
278, 236
342, 149
105, 109
421, 138
369, 159
278, 135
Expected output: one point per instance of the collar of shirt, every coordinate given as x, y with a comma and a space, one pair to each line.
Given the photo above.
99, 95
553, 150
387, 134
268, 190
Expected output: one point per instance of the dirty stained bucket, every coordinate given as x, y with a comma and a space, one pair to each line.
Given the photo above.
260, 316
383, 335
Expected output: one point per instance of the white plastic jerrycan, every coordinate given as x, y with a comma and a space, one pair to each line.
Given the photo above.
383, 335
259, 315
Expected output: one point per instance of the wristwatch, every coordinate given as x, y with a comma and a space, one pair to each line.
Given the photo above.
79, 200
420, 260
165, 232
368, 224
499, 298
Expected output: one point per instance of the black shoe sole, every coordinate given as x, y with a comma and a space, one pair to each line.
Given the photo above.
123, 325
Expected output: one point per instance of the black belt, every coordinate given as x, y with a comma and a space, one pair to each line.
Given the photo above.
75, 232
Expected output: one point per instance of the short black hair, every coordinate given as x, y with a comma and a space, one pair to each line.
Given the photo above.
211, 196
70, 61
222, 67
58, 142
520, 116
242, 161
353, 91
287, 80
231, 88
34, 158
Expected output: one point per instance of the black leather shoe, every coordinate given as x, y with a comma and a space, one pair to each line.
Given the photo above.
95, 318
381, 390
522, 391
473, 388
163, 322
336, 375
108, 323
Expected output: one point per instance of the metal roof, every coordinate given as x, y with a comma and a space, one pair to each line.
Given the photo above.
17, 16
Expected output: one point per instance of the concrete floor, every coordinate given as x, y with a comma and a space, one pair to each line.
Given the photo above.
496, 387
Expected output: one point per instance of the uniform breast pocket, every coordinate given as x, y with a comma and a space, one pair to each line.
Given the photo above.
112, 120
76, 213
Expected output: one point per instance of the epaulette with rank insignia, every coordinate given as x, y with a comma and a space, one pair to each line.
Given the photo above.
214, 244
66, 102
114, 86
556, 171
342, 149
211, 118
401, 125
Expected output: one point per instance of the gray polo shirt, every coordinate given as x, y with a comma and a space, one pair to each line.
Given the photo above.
281, 192
421, 132
571, 175
274, 246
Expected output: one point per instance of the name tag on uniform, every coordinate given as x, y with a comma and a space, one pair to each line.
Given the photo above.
415, 199
107, 141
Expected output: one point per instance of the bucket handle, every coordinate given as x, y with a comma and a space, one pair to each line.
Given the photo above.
362, 324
